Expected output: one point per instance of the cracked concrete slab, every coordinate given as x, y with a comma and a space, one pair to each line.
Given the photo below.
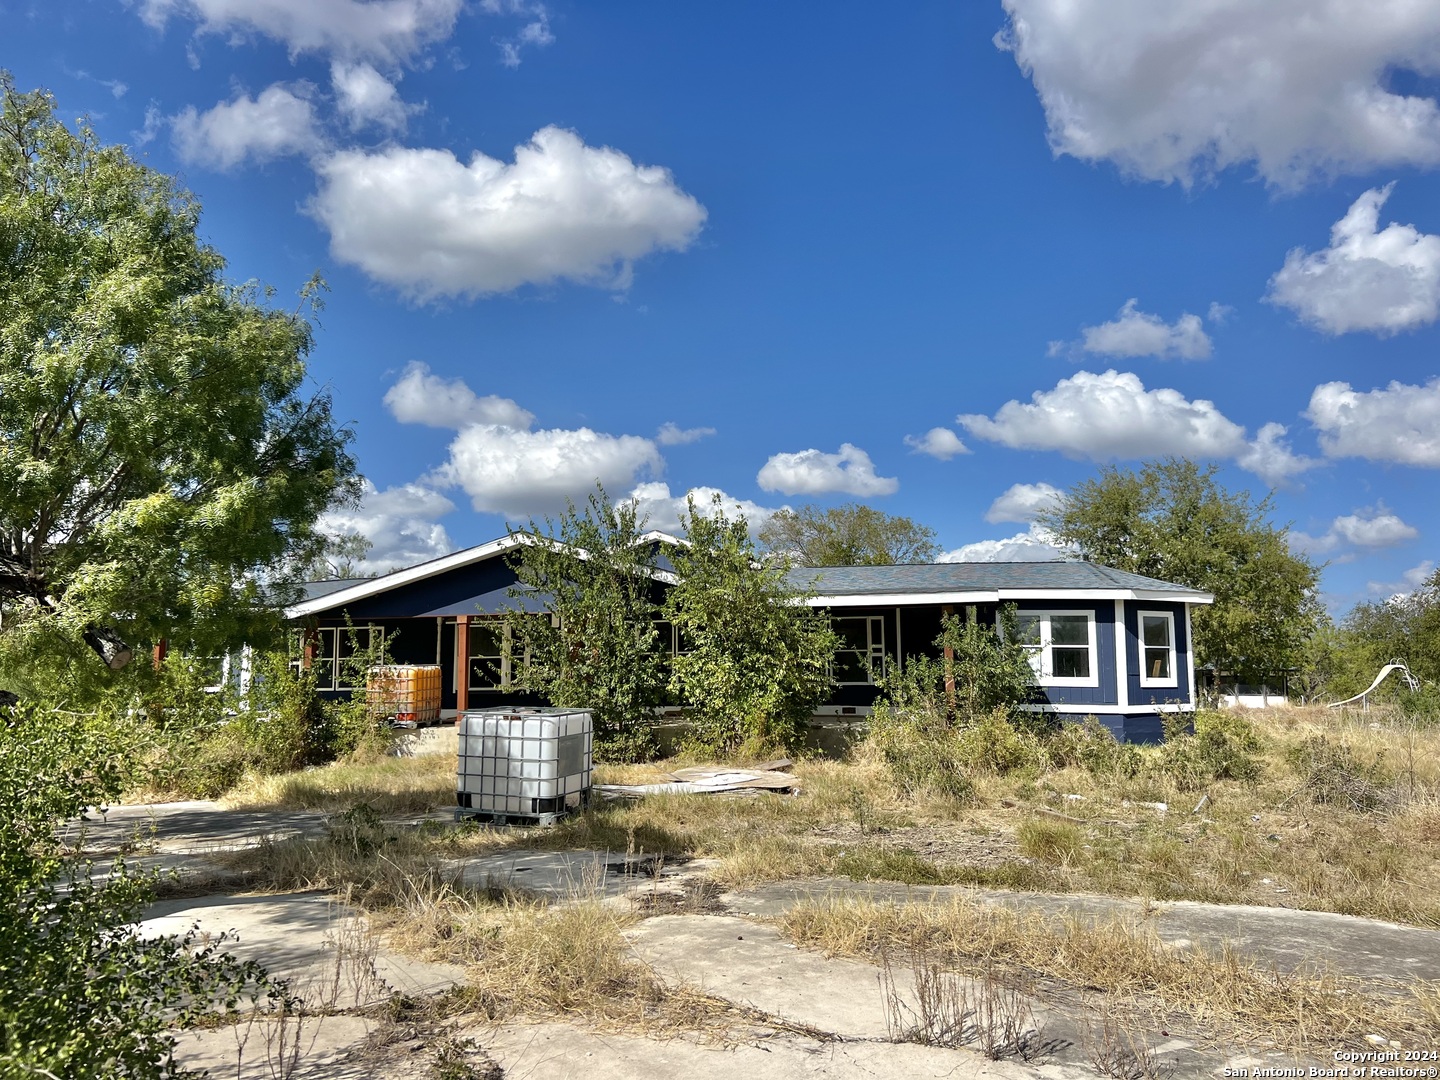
566, 875
563, 1052
751, 964
1289, 940
263, 1048
322, 948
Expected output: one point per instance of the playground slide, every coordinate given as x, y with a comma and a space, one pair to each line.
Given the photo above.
1394, 665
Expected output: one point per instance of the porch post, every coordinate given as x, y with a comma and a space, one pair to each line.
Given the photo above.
462, 664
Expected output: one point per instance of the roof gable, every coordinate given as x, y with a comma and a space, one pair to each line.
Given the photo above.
334, 595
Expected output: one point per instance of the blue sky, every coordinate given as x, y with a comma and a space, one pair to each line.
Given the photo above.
938, 257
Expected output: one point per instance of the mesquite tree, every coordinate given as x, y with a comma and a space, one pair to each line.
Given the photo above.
159, 452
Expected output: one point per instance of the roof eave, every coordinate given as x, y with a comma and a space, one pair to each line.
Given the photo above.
1000, 596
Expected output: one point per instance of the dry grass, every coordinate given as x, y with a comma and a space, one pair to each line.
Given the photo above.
522, 954
1265, 841
1235, 1000
388, 785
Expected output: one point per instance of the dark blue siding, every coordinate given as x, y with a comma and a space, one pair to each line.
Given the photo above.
1133, 727
1107, 692
1141, 696
480, 588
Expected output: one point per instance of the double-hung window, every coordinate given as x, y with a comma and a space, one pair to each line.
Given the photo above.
1157, 649
1061, 646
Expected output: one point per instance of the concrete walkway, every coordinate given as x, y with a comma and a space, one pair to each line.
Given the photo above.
826, 1017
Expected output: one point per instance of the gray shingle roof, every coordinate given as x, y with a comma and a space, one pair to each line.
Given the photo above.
972, 577
312, 589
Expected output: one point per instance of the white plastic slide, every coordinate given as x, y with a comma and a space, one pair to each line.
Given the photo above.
1394, 665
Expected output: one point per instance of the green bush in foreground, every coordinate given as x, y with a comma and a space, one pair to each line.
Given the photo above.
81, 995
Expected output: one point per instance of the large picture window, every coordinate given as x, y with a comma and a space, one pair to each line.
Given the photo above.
1157, 649
1061, 646
860, 659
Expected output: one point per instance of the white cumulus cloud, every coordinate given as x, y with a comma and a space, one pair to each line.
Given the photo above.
1107, 416
502, 463
1180, 89
1269, 456
281, 121
1410, 580
1033, 546
399, 522
663, 511
938, 442
1372, 527
420, 397
813, 472
1022, 502
1399, 424
1381, 280
671, 434
1376, 527
433, 226
529, 473
390, 31
1135, 333
364, 97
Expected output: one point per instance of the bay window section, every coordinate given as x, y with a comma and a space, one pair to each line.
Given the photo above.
1060, 646
1157, 649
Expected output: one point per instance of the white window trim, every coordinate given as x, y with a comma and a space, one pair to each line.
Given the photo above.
874, 652
1145, 680
1046, 657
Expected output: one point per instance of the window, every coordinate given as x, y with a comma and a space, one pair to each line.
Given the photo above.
334, 646
860, 659
1061, 645
670, 640
492, 661
1157, 649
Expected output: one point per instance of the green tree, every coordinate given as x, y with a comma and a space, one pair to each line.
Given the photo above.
755, 661
1404, 627
849, 535
158, 453
1173, 521
600, 648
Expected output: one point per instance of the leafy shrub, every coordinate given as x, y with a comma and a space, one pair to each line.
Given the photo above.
1237, 730
1091, 746
939, 723
1422, 706
1223, 748
920, 759
80, 993
758, 661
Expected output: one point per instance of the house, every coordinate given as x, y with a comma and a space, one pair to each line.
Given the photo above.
1103, 642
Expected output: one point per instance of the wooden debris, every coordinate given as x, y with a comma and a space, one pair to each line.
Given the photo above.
707, 780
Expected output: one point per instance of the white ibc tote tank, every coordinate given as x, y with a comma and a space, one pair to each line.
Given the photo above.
524, 762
